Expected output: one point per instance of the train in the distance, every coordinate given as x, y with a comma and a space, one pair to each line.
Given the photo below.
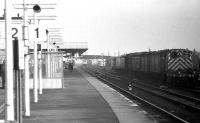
176, 67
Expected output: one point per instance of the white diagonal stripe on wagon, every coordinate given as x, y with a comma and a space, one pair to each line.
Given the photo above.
171, 60
185, 62
189, 62
179, 67
176, 65
180, 61
172, 64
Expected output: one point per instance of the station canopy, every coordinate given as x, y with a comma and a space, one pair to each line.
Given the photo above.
69, 48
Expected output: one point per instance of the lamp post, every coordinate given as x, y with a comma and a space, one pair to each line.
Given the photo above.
36, 9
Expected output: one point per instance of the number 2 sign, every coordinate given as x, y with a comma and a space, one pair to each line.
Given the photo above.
17, 35
14, 35
17, 32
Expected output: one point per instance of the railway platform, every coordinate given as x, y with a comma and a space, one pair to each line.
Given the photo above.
85, 100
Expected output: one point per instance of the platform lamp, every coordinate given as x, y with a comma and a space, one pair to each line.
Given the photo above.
36, 8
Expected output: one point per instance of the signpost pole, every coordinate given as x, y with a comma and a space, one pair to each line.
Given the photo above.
26, 63
35, 79
9, 115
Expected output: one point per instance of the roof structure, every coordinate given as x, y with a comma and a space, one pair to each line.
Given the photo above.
95, 57
69, 48
13, 18
73, 47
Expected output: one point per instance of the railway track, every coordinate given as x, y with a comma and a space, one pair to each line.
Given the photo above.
193, 91
181, 93
190, 104
195, 101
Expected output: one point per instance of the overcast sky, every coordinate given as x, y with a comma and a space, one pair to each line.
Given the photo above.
128, 25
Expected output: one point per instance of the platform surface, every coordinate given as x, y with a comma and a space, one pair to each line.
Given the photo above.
85, 100
78, 102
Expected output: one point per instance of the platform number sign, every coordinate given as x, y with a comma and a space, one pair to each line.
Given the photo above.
37, 32
17, 35
15, 31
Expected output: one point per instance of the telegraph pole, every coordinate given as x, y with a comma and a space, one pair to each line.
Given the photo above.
9, 116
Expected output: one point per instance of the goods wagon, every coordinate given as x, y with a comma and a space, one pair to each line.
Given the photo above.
133, 62
109, 62
171, 66
120, 63
114, 63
